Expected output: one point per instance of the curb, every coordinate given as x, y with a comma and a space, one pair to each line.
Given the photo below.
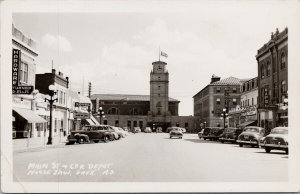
39, 148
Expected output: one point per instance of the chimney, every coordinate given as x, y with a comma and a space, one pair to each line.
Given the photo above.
78, 92
53, 71
214, 79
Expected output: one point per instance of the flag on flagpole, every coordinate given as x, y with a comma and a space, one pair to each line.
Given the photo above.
163, 54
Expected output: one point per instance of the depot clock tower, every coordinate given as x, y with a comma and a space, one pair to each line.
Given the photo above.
159, 89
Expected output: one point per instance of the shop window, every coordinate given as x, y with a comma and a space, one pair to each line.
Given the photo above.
234, 90
234, 101
283, 87
218, 90
129, 124
134, 123
283, 61
186, 125
218, 101
24, 72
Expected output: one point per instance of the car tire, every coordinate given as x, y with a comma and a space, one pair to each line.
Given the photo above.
268, 150
71, 142
81, 140
221, 141
96, 141
241, 145
106, 139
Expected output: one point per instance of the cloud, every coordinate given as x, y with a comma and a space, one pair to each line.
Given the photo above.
57, 42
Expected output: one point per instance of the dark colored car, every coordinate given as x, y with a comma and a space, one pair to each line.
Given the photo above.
276, 140
176, 132
251, 136
214, 133
205, 132
86, 134
230, 135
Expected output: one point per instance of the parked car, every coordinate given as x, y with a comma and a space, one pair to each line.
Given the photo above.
251, 136
176, 132
124, 131
118, 131
148, 130
111, 130
86, 134
276, 140
137, 130
213, 133
230, 135
206, 132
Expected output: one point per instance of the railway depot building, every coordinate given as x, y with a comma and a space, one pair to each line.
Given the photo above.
154, 110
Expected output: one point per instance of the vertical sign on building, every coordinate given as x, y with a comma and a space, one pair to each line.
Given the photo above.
16, 62
16, 58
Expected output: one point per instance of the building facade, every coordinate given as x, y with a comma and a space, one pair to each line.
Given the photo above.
24, 114
272, 63
216, 96
246, 112
60, 116
154, 110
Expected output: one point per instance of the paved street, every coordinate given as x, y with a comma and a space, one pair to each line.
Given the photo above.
151, 157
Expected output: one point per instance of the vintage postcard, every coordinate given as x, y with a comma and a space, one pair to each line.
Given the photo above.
150, 96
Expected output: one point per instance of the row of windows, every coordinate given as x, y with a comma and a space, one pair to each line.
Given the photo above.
247, 102
234, 101
249, 85
234, 90
265, 69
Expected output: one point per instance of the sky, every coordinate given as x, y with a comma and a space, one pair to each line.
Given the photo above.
115, 50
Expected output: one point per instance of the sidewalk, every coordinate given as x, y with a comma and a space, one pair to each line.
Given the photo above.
31, 144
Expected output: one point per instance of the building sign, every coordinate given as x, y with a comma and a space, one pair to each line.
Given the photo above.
21, 103
81, 115
266, 95
16, 61
77, 104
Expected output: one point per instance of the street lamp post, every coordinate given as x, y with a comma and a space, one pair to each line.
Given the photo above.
224, 116
100, 114
51, 93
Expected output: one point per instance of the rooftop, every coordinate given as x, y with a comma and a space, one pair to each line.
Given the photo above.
229, 81
125, 97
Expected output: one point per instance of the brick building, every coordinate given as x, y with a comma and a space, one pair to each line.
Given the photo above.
272, 63
154, 110
219, 94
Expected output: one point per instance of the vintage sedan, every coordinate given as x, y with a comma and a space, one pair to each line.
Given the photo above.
251, 136
213, 133
114, 131
86, 134
147, 130
176, 132
276, 140
206, 132
230, 135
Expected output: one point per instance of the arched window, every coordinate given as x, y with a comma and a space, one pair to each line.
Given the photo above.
134, 111
113, 111
283, 87
268, 68
283, 61
262, 71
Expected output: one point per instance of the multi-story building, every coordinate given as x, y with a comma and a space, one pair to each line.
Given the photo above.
216, 96
272, 63
246, 112
60, 116
23, 105
154, 110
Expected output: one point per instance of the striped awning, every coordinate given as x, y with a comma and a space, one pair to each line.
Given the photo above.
29, 115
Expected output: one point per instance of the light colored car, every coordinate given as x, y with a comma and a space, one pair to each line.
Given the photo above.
110, 129
251, 136
122, 130
118, 131
176, 132
148, 130
276, 140
137, 130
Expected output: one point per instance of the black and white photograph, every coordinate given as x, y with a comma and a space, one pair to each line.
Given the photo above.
150, 96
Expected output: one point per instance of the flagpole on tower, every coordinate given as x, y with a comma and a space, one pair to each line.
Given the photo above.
158, 53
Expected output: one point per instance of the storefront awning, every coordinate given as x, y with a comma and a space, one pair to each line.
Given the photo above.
29, 115
94, 120
245, 124
90, 122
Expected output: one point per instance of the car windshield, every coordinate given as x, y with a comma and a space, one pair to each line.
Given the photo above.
256, 130
279, 131
176, 129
